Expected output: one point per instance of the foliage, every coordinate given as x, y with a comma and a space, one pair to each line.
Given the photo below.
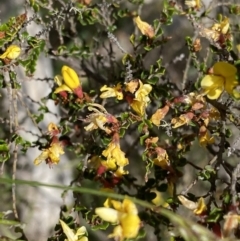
113, 83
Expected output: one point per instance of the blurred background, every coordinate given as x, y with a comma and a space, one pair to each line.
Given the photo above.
39, 207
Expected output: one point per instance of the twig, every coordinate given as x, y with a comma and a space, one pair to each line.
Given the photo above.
15, 154
194, 182
114, 40
29, 114
185, 73
235, 175
14, 184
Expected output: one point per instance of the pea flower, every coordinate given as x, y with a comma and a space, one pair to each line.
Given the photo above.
205, 137
222, 27
217, 31
107, 165
115, 157
143, 92
52, 154
222, 77
162, 158
112, 92
141, 100
145, 28
182, 120
68, 82
12, 52
159, 115
99, 118
71, 236
124, 214
198, 207
132, 85
53, 130
158, 200
193, 3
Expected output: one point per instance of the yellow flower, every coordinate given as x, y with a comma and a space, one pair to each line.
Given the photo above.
115, 159
143, 92
110, 164
198, 207
132, 85
144, 27
141, 99
115, 155
162, 159
139, 107
55, 149
120, 172
223, 77
222, 27
159, 115
51, 155
53, 130
218, 32
112, 92
193, 3
12, 52
205, 137
159, 199
124, 214
201, 207
71, 236
182, 120
98, 118
69, 82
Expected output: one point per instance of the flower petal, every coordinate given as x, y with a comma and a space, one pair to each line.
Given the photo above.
58, 79
107, 214
210, 80
81, 231
230, 84
201, 206
144, 27
12, 52
62, 88
214, 94
213, 86
117, 233
224, 69
70, 77
139, 107
159, 115
68, 231
187, 203
130, 225
129, 206
83, 239
42, 157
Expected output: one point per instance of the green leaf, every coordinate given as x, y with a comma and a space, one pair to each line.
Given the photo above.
215, 215
103, 226
4, 151
132, 39
140, 127
122, 132
143, 138
9, 222
153, 80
